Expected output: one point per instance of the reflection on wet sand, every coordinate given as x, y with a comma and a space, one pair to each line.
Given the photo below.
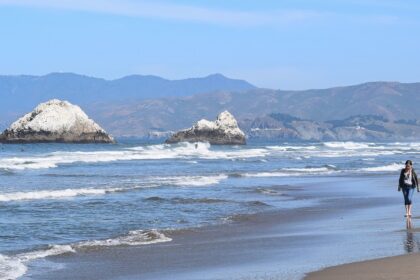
411, 243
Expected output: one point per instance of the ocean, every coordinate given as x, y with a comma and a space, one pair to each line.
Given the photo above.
61, 198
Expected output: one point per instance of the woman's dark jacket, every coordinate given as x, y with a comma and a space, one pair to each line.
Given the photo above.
413, 179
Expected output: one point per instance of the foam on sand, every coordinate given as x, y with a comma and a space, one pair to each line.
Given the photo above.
13, 267
133, 238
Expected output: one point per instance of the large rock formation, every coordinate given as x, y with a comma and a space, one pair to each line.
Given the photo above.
55, 121
223, 131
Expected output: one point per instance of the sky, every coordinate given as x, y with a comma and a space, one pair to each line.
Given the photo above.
293, 44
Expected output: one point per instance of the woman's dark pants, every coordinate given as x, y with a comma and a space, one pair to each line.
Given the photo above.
408, 192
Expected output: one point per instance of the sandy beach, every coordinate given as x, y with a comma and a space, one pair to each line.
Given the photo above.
400, 267
348, 224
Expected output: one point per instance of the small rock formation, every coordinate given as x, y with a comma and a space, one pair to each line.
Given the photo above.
223, 131
55, 121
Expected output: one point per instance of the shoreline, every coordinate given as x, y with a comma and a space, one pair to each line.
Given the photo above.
391, 267
400, 267
268, 244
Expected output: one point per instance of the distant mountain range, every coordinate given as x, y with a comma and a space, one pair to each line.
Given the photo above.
20, 94
149, 106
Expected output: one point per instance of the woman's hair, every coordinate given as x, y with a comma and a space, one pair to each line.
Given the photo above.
409, 162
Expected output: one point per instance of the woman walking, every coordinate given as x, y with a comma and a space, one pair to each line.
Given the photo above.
407, 183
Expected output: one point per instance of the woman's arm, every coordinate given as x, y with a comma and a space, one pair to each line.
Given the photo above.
401, 180
415, 180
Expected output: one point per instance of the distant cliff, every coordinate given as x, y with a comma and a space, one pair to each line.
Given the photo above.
356, 128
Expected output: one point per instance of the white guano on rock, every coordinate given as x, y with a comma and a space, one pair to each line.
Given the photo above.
223, 131
55, 121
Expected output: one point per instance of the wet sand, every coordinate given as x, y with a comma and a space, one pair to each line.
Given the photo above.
398, 267
404, 267
347, 224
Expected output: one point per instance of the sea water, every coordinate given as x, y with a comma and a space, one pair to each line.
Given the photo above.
60, 198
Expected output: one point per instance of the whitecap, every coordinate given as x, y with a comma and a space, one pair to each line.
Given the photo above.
152, 152
327, 169
195, 180
186, 181
386, 168
55, 194
348, 145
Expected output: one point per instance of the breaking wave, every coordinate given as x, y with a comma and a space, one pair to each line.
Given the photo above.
187, 181
347, 145
152, 152
386, 168
328, 169
56, 194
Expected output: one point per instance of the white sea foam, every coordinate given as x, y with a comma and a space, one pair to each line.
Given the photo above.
353, 153
340, 149
386, 168
52, 250
134, 237
269, 174
197, 150
147, 182
153, 152
347, 145
294, 172
311, 169
195, 180
55, 194
291, 148
13, 267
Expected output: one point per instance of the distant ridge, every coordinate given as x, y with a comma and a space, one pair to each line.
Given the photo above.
140, 106
21, 93
392, 101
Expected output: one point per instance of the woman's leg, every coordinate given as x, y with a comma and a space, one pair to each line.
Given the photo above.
410, 199
405, 192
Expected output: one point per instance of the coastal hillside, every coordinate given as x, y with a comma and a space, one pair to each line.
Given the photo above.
20, 94
394, 103
152, 107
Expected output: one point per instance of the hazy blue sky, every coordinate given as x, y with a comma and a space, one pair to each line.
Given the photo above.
292, 44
